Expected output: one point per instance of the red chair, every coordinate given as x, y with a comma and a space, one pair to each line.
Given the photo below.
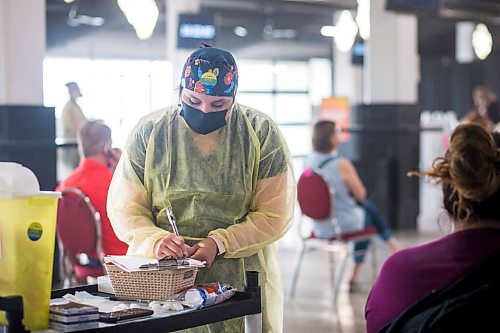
79, 234
316, 201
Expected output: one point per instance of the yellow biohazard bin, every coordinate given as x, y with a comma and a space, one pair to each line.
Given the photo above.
27, 239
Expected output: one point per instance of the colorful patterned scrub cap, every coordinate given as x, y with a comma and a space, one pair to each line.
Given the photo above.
210, 71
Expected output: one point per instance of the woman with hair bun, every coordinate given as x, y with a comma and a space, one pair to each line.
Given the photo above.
422, 288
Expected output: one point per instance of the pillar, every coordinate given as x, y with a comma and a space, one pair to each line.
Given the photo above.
22, 49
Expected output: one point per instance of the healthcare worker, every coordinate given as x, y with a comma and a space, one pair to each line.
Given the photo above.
225, 170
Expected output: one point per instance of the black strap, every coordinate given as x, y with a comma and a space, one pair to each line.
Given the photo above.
325, 162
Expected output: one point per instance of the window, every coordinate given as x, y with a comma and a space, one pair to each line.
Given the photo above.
292, 76
263, 102
122, 91
119, 92
255, 76
293, 108
288, 91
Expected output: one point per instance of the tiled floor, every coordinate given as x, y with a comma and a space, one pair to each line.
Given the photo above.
311, 310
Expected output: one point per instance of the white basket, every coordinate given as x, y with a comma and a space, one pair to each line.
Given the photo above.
149, 285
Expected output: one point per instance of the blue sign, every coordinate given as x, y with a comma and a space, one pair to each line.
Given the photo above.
358, 52
194, 30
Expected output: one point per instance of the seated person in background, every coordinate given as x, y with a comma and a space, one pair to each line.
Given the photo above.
352, 209
470, 175
93, 177
486, 103
475, 117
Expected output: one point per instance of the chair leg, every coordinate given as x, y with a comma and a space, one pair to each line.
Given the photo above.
374, 260
333, 269
339, 273
298, 263
66, 282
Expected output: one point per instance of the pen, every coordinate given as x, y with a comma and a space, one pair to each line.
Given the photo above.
171, 219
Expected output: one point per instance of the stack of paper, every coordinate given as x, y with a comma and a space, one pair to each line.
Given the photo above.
70, 317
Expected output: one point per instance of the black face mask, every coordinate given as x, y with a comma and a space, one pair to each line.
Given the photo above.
201, 122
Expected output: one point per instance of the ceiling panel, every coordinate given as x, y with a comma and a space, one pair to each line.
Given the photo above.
304, 18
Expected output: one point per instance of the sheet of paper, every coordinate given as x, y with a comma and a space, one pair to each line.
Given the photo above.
130, 263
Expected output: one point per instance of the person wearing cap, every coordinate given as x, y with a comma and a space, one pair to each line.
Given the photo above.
72, 118
225, 170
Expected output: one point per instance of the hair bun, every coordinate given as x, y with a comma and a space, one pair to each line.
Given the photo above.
474, 160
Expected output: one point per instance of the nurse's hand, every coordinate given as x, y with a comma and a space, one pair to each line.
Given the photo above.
172, 246
205, 250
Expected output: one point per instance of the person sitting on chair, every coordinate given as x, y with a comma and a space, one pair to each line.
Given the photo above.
93, 177
486, 103
475, 117
353, 211
470, 175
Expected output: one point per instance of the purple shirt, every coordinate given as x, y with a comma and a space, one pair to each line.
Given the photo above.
410, 274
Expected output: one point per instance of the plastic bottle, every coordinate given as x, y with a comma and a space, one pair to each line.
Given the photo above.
202, 295
207, 294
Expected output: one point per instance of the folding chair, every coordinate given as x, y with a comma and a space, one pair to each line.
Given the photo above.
316, 201
79, 234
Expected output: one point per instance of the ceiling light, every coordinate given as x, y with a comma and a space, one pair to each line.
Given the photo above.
240, 31
197, 31
345, 31
142, 15
363, 18
69, 1
328, 31
75, 19
86, 20
482, 41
